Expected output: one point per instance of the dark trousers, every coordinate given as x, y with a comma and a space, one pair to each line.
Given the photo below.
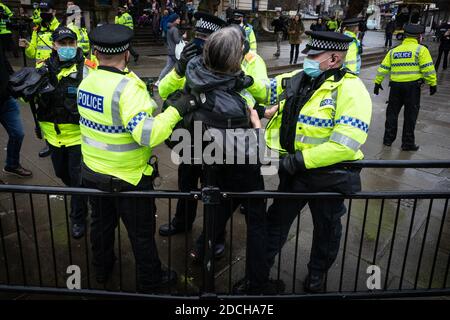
326, 216
294, 47
188, 180
444, 52
402, 94
138, 216
388, 40
242, 178
11, 121
67, 165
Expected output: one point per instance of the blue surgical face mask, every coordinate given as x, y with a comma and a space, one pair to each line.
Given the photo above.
312, 67
67, 53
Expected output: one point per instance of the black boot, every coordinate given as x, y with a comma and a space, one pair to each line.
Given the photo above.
413, 147
45, 152
169, 229
314, 282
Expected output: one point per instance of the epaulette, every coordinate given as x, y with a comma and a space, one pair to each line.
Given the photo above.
91, 64
250, 56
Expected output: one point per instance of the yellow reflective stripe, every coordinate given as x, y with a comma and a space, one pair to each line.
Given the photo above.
350, 62
115, 108
345, 141
110, 147
147, 131
426, 74
405, 72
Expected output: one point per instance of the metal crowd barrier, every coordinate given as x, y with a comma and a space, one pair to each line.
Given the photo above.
405, 234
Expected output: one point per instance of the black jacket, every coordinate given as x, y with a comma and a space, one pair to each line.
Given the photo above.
278, 24
390, 27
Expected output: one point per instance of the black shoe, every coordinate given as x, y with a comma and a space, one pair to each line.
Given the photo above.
168, 278
413, 147
78, 230
169, 229
387, 144
271, 287
314, 282
19, 171
219, 252
45, 152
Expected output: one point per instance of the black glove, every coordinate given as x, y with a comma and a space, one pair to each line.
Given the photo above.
183, 102
189, 52
377, 88
292, 163
433, 90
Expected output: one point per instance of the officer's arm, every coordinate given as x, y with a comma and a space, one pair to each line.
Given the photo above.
136, 108
170, 83
427, 67
8, 12
351, 58
384, 68
267, 91
30, 52
353, 114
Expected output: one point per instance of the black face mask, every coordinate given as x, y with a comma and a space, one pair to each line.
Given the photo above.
46, 17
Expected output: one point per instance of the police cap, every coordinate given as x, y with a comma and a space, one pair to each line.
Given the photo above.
239, 13
63, 33
321, 41
111, 38
414, 29
352, 22
207, 23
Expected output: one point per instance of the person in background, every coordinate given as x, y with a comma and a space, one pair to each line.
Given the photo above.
296, 29
408, 65
444, 45
156, 13
36, 17
319, 25
5, 33
173, 38
362, 30
388, 33
278, 28
248, 28
353, 58
332, 24
164, 24
11, 121
125, 19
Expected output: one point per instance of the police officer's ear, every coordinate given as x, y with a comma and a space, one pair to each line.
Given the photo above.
127, 56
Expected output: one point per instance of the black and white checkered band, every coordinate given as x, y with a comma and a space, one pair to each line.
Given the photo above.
207, 25
115, 50
319, 44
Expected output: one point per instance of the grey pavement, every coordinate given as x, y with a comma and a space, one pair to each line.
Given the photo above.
432, 133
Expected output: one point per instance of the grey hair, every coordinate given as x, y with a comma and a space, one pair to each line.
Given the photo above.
223, 50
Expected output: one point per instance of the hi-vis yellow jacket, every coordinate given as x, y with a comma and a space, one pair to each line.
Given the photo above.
118, 130
408, 62
353, 57
41, 43
331, 126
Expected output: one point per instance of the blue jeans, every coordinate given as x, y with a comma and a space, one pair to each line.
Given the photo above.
10, 120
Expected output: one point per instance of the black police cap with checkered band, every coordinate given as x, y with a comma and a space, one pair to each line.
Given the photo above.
111, 38
207, 23
321, 41
414, 29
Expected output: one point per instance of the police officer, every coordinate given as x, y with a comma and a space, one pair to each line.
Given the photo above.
408, 65
36, 17
323, 119
59, 119
40, 46
249, 32
353, 58
82, 36
332, 24
125, 19
118, 133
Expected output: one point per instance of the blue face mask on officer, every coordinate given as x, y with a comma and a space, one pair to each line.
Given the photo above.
67, 53
312, 67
